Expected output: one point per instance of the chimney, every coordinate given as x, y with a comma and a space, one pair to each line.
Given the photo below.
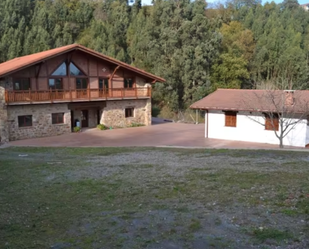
289, 97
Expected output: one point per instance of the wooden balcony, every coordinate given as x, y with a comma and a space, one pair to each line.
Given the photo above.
51, 96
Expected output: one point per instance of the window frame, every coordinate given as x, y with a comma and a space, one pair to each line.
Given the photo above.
104, 85
60, 75
57, 118
21, 83
24, 123
129, 112
68, 71
54, 88
268, 124
81, 78
230, 119
74, 75
127, 85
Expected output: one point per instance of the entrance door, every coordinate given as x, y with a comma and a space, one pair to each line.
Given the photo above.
72, 120
85, 118
98, 116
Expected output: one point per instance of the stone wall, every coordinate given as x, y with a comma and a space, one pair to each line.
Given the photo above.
4, 132
41, 121
114, 112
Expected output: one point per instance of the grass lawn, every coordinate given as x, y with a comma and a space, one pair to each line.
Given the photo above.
153, 198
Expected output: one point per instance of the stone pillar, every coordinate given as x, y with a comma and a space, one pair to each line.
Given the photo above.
4, 127
148, 112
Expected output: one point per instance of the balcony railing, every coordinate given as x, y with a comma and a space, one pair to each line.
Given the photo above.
14, 96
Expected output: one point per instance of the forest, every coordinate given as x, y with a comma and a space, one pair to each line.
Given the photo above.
197, 47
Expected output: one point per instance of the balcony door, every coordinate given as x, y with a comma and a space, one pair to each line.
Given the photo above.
103, 87
82, 87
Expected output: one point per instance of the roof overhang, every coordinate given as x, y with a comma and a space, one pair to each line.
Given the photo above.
31, 60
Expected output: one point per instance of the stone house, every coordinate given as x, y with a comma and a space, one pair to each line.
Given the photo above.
51, 92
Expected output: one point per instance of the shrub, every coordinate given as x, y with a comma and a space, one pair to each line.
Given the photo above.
136, 125
155, 111
102, 127
76, 129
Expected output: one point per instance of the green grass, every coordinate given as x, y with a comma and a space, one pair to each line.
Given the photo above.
270, 233
89, 197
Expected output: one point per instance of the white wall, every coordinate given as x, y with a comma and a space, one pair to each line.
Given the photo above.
248, 130
307, 135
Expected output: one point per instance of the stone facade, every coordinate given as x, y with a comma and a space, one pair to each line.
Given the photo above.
4, 132
114, 113
41, 121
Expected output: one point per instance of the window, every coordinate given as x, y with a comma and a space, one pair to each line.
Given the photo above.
55, 84
61, 70
103, 83
129, 112
57, 118
128, 83
271, 122
81, 83
21, 84
25, 121
230, 118
75, 71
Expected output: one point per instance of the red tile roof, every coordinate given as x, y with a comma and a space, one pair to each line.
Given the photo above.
23, 62
254, 100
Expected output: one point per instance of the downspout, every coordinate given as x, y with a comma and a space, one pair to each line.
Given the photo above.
206, 135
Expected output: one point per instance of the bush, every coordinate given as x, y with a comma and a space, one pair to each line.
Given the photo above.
76, 129
102, 127
155, 111
136, 125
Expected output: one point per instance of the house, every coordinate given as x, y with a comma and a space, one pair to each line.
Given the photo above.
305, 6
50, 92
262, 116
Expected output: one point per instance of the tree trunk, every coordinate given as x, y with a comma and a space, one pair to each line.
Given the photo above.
281, 142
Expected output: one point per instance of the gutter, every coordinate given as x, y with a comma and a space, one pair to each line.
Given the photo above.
206, 135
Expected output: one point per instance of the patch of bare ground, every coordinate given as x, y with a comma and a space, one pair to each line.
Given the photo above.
153, 198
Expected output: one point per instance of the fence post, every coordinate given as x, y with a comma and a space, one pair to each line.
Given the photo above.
70, 94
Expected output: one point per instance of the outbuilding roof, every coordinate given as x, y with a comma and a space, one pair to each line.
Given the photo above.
255, 100
23, 62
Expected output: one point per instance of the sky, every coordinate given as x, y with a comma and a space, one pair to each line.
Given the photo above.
147, 2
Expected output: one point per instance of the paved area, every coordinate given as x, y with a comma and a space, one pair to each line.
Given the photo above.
160, 134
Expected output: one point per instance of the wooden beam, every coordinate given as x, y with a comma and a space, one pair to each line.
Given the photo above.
38, 72
37, 75
112, 75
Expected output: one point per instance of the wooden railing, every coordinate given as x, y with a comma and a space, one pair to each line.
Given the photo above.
13, 96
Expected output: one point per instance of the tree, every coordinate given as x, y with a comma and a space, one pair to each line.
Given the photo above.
282, 110
231, 68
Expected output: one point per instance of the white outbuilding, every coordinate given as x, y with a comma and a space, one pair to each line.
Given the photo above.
262, 116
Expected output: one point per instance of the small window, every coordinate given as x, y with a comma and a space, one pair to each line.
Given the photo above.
61, 70
103, 83
25, 121
129, 112
128, 83
57, 118
55, 84
21, 84
230, 119
271, 122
